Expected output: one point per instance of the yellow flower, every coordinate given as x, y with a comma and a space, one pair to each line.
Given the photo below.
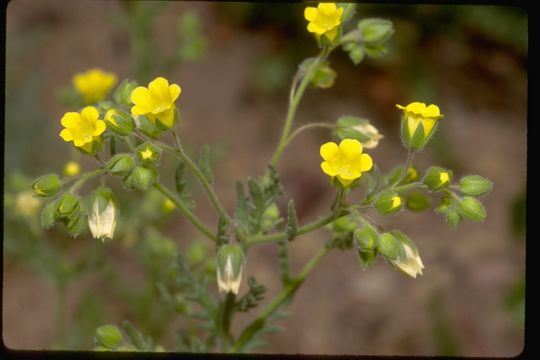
82, 128
147, 153
168, 205
345, 161
156, 101
72, 168
417, 113
324, 19
444, 177
94, 85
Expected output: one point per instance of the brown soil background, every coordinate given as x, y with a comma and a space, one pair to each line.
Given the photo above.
340, 309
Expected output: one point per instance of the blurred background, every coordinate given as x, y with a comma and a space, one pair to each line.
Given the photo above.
234, 62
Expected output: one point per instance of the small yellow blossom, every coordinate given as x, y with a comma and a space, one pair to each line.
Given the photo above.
324, 19
417, 113
157, 101
94, 85
168, 205
72, 168
345, 161
147, 153
444, 177
82, 128
396, 202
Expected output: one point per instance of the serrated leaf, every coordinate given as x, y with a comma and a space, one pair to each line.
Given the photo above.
292, 221
134, 337
204, 163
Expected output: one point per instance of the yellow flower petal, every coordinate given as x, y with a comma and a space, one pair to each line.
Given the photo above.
70, 119
365, 163
327, 8
350, 147
90, 113
167, 117
314, 28
331, 34
433, 111
137, 110
328, 150
412, 124
66, 135
310, 13
429, 124
417, 108
174, 91
328, 169
143, 99
99, 127
345, 182
159, 87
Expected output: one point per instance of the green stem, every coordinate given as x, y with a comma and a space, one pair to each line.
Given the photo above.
181, 154
185, 211
225, 321
408, 164
283, 296
85, 177
301, 230
295, 98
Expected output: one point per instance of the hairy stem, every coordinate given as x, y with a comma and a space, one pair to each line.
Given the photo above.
185, 211
282, 297
309, 126
225, 321
296, 96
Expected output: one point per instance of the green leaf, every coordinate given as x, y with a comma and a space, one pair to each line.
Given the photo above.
241, 203
204, 163
376, 52
179, 174
292, 221
109, 336
134, 337
453, 218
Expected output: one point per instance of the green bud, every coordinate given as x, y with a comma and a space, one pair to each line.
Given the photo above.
68, 205
417, 201
47, 185
230, 267
120, 164
366, 240
388, 203
389, 247
119, 122
437, 178
49, 215
472, 209
453, 218
475, 185
344, 224
375, 31
122, 94
270, 216
148, 152
323, 77
357, 54
109, 336
146, 126
196, 252
141, 178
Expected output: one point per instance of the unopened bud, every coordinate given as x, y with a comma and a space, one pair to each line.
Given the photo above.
68, 205
109, 336
230, 267
119, 122
366, 240
388, 203
472, 209
475, 185
437, 178
120, 164
375, 31
141, 178
409, 262
47, 185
